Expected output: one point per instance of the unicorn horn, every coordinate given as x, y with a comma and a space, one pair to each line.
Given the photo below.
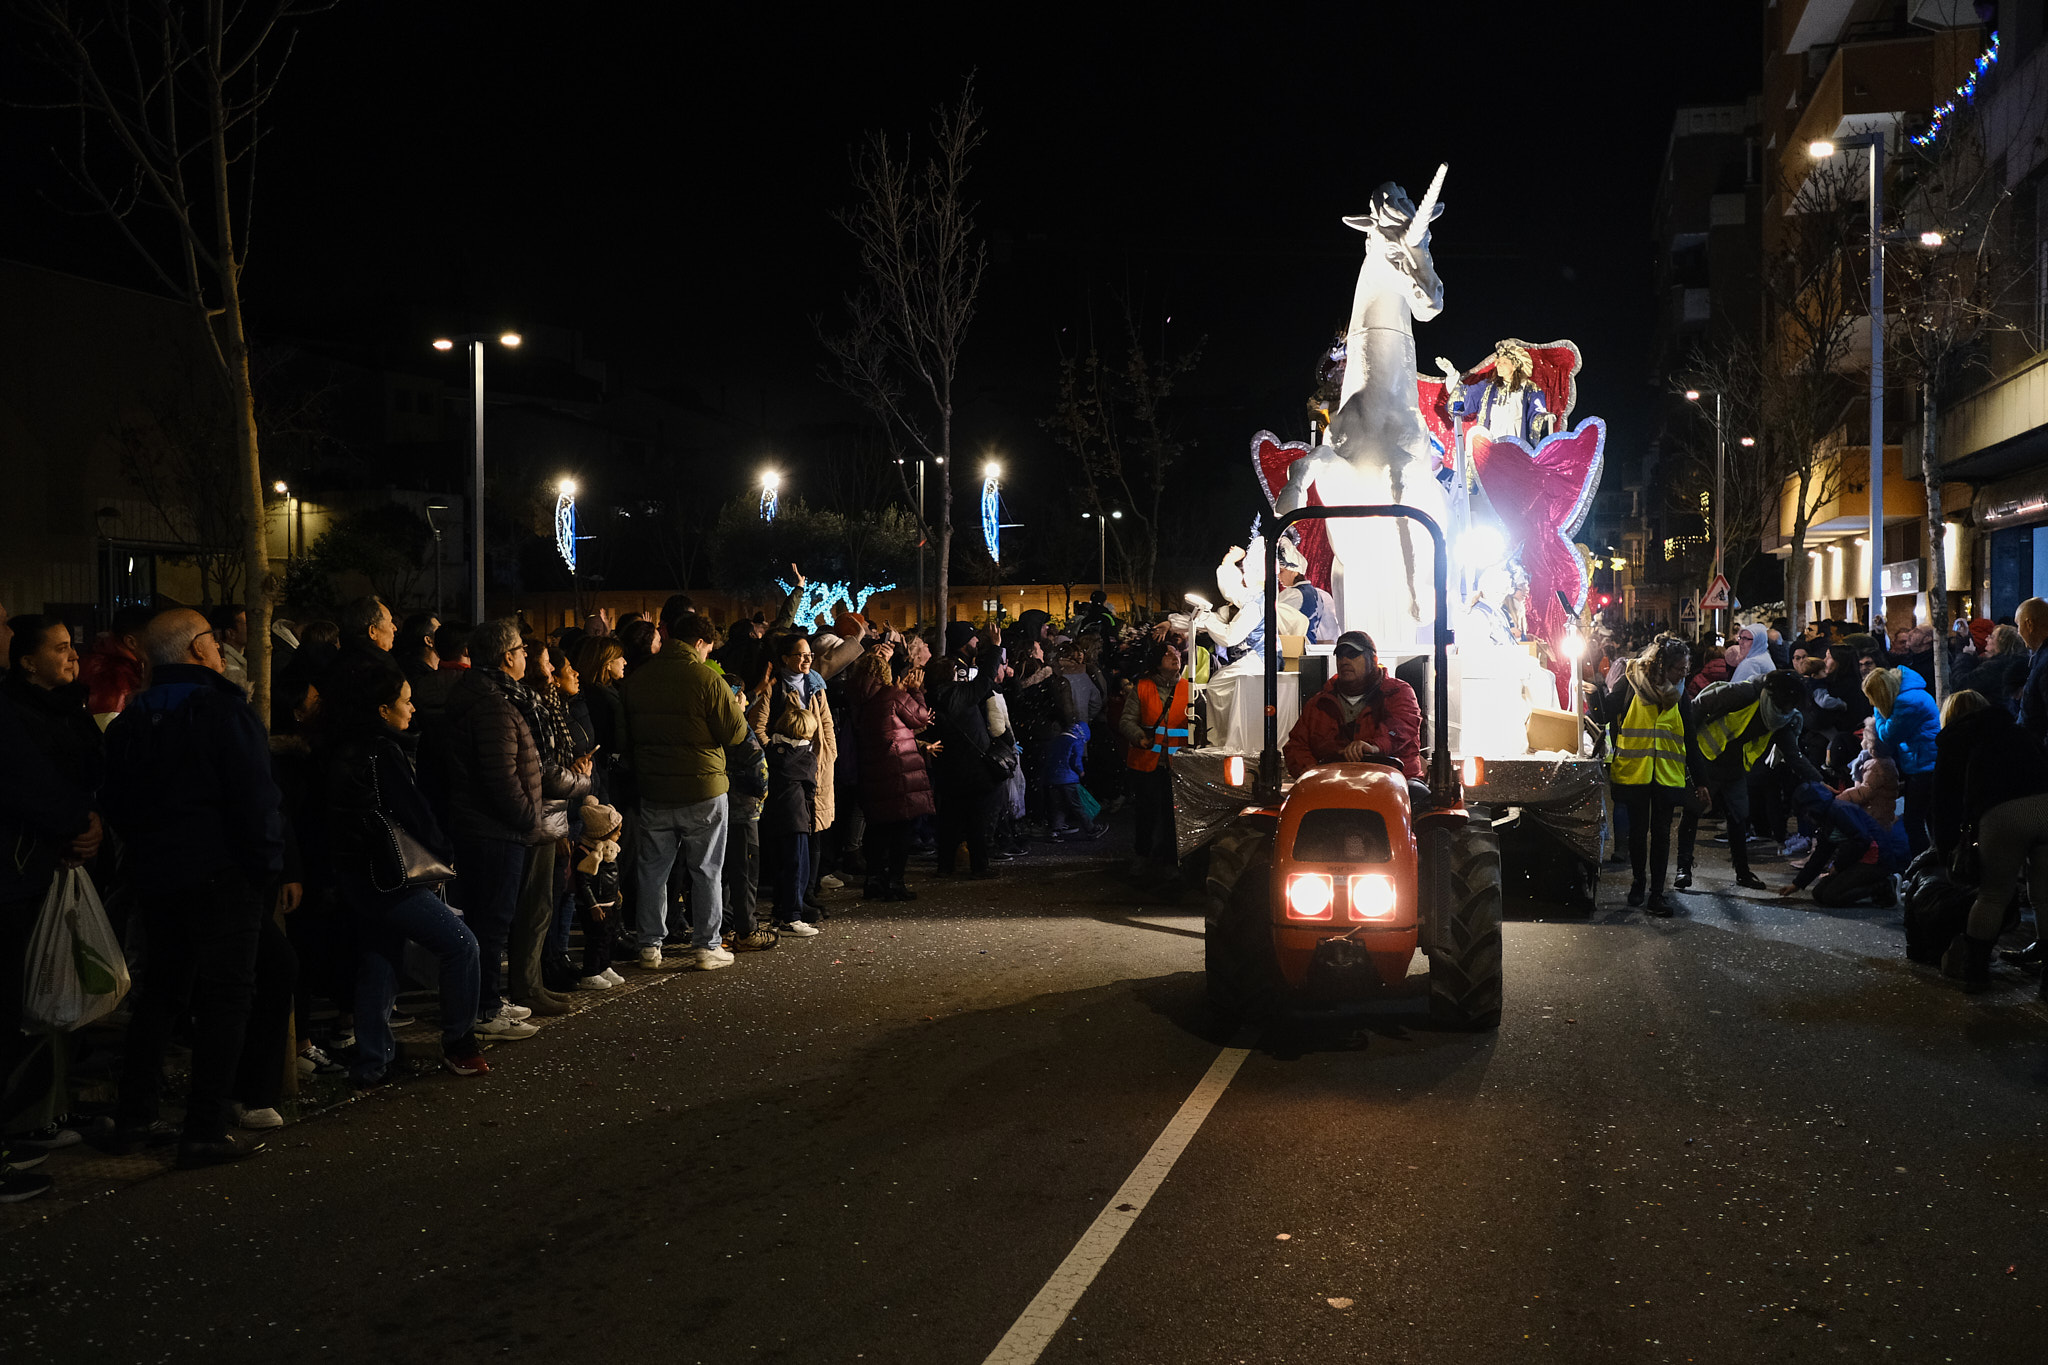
1419, 224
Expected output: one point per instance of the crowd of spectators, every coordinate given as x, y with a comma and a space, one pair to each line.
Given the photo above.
510, 817
1830, 744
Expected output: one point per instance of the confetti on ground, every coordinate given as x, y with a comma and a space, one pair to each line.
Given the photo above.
1283, 1236
1338, 1303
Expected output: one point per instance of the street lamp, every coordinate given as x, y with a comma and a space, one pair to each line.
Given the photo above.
1720, 481
1821, 149
1102, 544
284, 490
475, 341
435, 527
770, 483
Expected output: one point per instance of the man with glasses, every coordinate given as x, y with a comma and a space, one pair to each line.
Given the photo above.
680, 717
188, 789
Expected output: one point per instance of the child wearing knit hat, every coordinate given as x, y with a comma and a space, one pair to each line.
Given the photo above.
594, 882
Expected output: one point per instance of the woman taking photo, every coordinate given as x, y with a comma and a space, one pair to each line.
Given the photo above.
370, 773
794, 725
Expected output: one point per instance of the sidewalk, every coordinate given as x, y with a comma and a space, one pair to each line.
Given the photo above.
83, 1172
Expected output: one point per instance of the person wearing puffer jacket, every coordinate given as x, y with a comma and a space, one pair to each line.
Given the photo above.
1907, 725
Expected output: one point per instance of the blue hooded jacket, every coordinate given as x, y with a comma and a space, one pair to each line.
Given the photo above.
1910, 730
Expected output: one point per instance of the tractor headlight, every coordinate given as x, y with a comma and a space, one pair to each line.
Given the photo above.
1310, 894
1372, 896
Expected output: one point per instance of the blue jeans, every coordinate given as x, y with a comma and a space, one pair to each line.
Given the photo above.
384, 927
697, 832
488, 892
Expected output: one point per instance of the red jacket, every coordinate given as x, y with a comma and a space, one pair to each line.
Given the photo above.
1393, 724
111, 675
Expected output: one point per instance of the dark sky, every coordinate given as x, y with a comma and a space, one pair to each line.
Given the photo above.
662, 177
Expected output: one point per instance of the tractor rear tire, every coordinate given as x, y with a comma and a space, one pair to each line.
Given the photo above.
1463, 941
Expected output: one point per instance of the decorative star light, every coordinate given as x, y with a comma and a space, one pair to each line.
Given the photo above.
991, 517
565, 528
819, 598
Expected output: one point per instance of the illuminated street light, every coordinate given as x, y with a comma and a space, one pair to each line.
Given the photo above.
1874, 140
1102, 541
1747, 442
280, 488
475, 342
1930, 238
567, 488
1692, 395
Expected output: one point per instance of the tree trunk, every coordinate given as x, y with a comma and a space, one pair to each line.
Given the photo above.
1795, 563
1937, 528
945, 555
248, 457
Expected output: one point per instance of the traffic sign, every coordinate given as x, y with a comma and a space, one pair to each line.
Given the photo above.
1717, 594
1687, 615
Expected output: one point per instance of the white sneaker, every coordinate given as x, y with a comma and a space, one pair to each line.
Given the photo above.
505, 1030
613, 977
798, 928
711, 959
256, 1118
508, 1010
830, 882
593, 983
653, 961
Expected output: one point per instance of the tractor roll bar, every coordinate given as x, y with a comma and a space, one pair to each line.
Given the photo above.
1442, 772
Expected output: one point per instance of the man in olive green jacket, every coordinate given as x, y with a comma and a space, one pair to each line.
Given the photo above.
679, 718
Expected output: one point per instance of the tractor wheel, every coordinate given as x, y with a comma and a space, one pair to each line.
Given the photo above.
1463, 939
1241, 973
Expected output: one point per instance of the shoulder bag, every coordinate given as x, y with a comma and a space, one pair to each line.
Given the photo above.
397, 860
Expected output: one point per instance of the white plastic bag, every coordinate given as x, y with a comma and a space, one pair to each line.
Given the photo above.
75, 971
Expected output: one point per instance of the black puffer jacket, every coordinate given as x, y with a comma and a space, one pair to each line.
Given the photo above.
1981, 760
43, 803
491, 765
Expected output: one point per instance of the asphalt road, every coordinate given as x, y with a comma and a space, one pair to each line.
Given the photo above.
1750, 1133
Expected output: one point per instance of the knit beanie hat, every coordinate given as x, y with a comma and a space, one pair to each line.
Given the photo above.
599, 820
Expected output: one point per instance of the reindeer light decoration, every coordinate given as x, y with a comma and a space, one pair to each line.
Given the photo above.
1377, 449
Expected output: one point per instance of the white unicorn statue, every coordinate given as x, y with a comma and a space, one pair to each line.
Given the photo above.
1376, 449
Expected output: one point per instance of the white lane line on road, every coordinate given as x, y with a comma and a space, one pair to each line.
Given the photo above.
1043, 1317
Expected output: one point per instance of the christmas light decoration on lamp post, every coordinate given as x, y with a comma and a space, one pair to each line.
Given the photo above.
771, 483
565, 523
991, 510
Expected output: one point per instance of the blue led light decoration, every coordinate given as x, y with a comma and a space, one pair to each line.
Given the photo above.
565, 522
819, 599
770, 482
1965, 94
991, 512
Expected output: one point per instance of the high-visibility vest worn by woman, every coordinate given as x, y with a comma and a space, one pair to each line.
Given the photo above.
1166, 728
1649, 746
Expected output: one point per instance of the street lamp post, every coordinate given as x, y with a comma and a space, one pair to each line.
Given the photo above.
283, 490
1102, 545
435, 527
1720, 488
1874, 140
922, 537
475, 341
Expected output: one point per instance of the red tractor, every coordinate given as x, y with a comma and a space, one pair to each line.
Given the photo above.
1321, 890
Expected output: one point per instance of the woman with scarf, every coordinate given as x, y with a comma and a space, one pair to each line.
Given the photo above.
895, 787
1650, 768
794, 724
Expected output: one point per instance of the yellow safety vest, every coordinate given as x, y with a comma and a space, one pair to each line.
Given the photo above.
1716, 733
1649, 746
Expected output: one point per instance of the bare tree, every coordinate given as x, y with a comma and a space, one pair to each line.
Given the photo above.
1112, 418
1752, 476
907, 325
1949, 281
166, 95
177, 450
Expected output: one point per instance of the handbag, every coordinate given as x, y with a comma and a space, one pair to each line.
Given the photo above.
397, 860
1001, 758
1967, 867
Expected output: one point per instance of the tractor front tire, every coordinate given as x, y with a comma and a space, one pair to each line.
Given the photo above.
1463, 941
1241, 973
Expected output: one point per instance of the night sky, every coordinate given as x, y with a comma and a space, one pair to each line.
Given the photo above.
662, 178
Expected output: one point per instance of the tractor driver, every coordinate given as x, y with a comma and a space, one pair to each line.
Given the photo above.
1361, 712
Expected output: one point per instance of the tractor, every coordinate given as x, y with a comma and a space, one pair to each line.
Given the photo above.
1321, 890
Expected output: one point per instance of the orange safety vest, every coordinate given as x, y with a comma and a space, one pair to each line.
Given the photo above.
1168, 732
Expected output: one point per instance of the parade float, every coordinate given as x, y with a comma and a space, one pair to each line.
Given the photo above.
1489, 455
